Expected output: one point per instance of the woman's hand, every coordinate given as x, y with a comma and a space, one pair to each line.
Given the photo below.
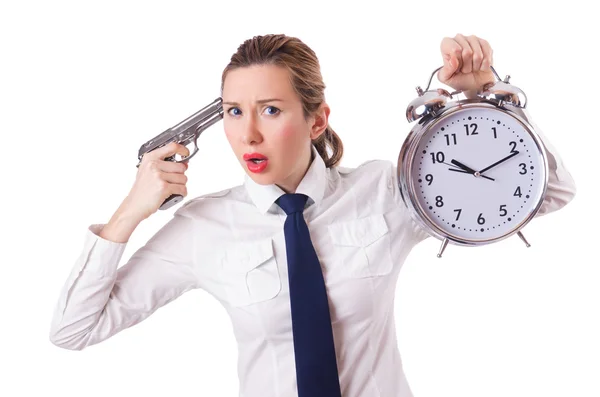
156, 180
467, 62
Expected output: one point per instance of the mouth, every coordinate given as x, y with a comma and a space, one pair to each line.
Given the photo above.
255, 158
256, 165
257, 161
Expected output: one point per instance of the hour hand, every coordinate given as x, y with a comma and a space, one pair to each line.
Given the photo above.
467, 170
464, 167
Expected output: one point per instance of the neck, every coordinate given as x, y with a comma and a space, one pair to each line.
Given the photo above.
291, 187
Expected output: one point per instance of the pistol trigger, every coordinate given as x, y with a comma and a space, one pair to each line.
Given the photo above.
195, 147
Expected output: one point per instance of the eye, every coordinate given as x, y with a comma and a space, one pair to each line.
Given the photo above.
234, 108
275, 110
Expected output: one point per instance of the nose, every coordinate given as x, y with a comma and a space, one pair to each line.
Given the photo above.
251, 134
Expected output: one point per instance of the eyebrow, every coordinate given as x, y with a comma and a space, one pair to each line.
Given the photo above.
260, 101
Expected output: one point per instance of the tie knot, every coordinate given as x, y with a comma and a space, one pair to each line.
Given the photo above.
292, 202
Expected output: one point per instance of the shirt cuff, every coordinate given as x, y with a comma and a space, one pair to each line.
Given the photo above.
100, 256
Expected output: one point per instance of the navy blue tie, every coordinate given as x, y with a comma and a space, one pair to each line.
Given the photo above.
314, 350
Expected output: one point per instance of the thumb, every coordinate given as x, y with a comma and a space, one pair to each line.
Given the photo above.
450, 66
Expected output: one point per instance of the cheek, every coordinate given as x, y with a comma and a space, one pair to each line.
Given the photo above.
233, 143
227, 129
289, 139
287, 132
293, 132
229, 133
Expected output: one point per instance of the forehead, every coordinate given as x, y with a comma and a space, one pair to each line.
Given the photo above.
257, 82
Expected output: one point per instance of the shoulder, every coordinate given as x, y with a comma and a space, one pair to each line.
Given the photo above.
371, 180
370, 170
208, 202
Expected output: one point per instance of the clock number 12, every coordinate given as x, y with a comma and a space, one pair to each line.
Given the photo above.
473, 126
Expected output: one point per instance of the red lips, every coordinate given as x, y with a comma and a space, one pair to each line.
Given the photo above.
258, 156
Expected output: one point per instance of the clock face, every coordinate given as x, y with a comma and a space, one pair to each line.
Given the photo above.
478, 174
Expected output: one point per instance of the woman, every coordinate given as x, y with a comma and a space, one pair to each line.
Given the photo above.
326, 332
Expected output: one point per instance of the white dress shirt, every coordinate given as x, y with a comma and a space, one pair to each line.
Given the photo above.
232, 245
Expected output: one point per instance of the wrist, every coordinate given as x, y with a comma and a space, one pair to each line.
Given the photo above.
124, 217
128, 212
120, 227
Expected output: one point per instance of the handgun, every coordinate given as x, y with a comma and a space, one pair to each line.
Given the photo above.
183, 133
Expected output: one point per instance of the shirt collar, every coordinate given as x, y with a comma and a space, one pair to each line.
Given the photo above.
313, 185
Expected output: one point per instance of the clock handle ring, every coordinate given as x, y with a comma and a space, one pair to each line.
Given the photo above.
456, 92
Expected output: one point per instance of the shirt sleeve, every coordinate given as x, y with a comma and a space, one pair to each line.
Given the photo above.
561, 187
99, 299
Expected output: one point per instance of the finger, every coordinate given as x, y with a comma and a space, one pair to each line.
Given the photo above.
178, 179
466, 54
487, 55
169, 150
477, 52
451, 54
176, 188
171, 166
163, 166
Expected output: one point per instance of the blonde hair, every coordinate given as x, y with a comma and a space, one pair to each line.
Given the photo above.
305, 75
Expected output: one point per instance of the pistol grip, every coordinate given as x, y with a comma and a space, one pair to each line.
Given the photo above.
174, 198
171, 201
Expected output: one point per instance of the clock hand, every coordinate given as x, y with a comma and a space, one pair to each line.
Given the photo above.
464, 167
499, 161
451, 165
468, 172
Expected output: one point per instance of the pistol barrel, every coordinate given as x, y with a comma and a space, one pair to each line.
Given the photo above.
188, 130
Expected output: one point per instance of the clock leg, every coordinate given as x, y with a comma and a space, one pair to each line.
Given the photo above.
442, 248
523, 238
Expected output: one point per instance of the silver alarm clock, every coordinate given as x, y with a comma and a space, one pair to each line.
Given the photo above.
472, 171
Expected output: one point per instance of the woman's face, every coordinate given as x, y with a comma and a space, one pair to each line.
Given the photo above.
263, 114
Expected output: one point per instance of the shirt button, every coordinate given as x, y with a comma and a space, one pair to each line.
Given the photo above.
390, 184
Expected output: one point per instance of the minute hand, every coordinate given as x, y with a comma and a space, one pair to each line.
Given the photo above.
499, 161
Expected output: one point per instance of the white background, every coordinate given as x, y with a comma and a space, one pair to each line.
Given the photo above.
84, 84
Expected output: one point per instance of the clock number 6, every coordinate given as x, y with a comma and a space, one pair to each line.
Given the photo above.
481, 219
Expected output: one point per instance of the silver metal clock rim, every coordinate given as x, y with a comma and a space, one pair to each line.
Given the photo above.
408, 152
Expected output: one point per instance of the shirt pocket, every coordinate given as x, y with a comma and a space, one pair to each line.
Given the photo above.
362, 246
250, 273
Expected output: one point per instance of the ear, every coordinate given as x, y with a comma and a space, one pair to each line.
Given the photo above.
320, 121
